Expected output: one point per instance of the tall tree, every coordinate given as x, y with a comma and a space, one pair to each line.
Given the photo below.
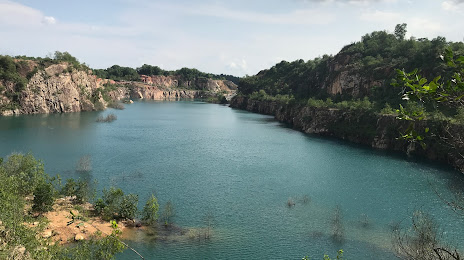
400, 31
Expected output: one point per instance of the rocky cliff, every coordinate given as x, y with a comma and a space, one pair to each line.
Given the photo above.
54, 90
373, 130
61, 88
176, 82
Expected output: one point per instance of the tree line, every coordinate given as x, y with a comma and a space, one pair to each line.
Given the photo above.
120, 73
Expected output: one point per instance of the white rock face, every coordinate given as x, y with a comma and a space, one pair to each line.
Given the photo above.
57, 91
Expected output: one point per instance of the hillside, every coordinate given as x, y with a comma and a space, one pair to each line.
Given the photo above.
62, 84
354, 95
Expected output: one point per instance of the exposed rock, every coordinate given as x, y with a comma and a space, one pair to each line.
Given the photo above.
52, 91
78, 237
374, 130
47, 233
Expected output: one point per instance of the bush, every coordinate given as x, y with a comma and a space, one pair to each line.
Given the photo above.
26, 170
80, 188
150, 210
387, 110
44, 197
460, 115
115, 205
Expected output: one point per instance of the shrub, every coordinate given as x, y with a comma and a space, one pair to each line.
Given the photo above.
150, 210
44, 197
26, 170
387, 110
115, 205
80, 189
460, 115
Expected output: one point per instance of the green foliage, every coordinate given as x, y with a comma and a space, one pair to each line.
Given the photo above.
73, 61
118, 73
26, 170
400, 31
387, 110
81, 189
372, 58
150, 210
96, 248
44, 197
438, 95
459, 117
150, 70
20, 174
360, 105
326, 257
115, 205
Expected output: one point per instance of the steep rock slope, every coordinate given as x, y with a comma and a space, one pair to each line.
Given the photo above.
373, 130
52, 91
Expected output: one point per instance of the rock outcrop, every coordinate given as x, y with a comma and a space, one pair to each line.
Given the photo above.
373, 130
52, 91
173, 82
56, 89
60, 88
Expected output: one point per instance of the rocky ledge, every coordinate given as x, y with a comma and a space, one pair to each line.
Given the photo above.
366, 128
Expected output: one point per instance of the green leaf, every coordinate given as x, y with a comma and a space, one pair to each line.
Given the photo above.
422, 81
427, 130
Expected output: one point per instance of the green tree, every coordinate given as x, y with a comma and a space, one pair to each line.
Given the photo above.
443, 92
27, 171
400, 31
115, 205
150, 210
44, 197
81, 189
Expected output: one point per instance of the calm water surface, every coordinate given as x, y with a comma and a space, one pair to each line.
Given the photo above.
242, 168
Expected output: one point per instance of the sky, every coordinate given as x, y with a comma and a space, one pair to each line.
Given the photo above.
238, 37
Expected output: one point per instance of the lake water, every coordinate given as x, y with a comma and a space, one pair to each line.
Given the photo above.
242, 168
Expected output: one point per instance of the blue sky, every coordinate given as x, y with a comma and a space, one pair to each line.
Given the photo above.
234, 37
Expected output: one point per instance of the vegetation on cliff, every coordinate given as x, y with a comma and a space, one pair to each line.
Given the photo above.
119, 73
361, 69
363, 81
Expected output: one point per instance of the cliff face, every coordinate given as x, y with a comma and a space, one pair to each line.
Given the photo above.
59, 88
376, 131
55, 90
345, 78
172, 82
154, 93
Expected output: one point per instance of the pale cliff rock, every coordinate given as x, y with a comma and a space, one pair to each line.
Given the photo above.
172, 82
56, 91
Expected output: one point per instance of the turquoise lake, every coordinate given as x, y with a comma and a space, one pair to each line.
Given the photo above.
242, 168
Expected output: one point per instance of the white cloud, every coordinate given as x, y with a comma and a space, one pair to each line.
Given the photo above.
49, 20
